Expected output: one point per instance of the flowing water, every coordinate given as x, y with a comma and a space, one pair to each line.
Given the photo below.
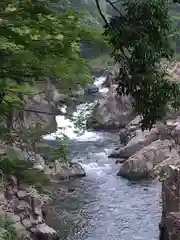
103, 206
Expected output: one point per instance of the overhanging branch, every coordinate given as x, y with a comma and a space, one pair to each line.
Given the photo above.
114, 7
101, 13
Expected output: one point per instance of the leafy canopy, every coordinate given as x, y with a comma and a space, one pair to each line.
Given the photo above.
37, 44
140, 35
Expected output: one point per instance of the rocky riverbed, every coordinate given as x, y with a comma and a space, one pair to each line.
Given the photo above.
103, 205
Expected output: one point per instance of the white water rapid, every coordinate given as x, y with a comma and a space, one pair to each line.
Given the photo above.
101, 206
68, 128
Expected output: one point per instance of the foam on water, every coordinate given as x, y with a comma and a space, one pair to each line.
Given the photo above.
88, 136
104, 90
110, 207
68, 128
95, 168
99, 81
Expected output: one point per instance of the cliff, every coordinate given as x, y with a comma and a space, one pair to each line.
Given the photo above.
43, 107
170, 222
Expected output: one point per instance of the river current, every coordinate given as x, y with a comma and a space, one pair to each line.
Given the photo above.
103, 206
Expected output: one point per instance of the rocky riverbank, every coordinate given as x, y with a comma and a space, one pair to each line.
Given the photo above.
170, 220
23, 205
145, 154
141, 154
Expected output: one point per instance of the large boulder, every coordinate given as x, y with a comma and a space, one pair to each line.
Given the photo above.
141, 164
24, 208
66, 170
91, 89
176, 133
35, 159
134, 124
124, 136
112, 111
46, 101
140, 140
44, 232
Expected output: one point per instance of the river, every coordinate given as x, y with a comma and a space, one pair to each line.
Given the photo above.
103, 206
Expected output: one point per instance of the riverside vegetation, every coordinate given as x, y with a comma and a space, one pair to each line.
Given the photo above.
40, 43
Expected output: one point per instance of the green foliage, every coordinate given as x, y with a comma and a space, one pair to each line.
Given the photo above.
56, 153
92, 18
37, 44
102, 62
7, 231
176, 24
11, 164
140, 38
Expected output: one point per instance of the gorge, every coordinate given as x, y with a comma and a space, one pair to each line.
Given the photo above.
103, 205
112, 138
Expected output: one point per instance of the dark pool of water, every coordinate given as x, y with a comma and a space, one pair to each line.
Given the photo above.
103, 206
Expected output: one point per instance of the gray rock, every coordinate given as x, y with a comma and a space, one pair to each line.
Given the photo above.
109, 80
46, 101
44, 232
29, 156
140, 140
91, 89
141, 164
134, 124
68, 170
124, 136
23, 207
176, 134
112, 111
77, 170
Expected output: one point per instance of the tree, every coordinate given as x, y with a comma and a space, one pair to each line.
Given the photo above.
140, 36
92, 17
37, 44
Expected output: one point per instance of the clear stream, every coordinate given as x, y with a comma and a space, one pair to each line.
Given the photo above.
103, 206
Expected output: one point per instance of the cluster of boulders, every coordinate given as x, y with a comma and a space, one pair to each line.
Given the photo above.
59, 169
141, 153
146, 153
24, 205
24, 209
111, 111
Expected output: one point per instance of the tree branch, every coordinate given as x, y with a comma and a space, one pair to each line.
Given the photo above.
41, 112
115, 8
101, 13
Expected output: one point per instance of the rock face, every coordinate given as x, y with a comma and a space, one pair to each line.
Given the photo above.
140, 140
170, 220
112, 111
60, 170
35, 159
66, 170
43, 107
141, 164
25, 209
91, 89
148, 153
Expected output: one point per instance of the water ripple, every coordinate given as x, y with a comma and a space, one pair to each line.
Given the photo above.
104, 206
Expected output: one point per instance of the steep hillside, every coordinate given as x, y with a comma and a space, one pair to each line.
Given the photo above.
92, 20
